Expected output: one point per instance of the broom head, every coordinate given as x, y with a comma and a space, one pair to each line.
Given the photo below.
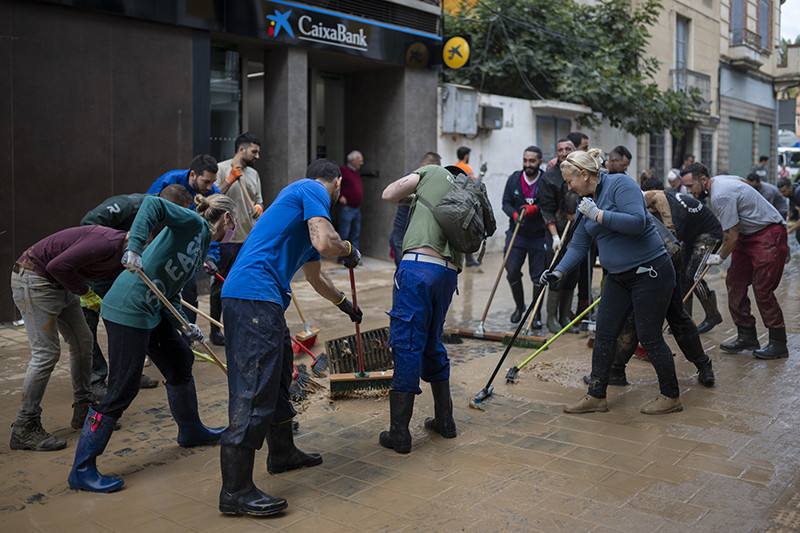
350, 382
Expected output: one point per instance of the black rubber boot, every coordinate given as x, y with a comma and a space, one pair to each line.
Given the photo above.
518, 293
712, 313
96, 432
217, 338
183, 404
442, 421
553, 301
401, 406
705, 374
239, 495
776, 349
283, 454
564, 309
745, 341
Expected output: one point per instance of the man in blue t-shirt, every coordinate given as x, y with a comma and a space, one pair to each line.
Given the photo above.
197, 179
293, 233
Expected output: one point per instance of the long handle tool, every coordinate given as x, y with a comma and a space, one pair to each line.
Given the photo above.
480, 331
309, 335
180, 318
486, 392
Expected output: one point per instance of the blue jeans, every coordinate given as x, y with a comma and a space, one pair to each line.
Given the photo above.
536, 252
260, 359
47, 310
349, 224
422, 295
648, 295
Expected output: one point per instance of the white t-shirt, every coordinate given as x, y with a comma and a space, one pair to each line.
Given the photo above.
736, 202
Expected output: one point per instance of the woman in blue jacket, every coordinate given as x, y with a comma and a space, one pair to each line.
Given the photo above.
137, 323
640, 276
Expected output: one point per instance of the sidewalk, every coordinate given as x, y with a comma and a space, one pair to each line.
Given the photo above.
728, 462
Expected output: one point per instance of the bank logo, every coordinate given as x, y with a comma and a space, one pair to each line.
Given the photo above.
279, 21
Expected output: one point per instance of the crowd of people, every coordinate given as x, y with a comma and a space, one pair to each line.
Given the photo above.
653, 246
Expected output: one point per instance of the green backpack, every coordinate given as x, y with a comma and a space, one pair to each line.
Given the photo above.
464, 213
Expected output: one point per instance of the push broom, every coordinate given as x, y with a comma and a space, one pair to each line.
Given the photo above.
361, 380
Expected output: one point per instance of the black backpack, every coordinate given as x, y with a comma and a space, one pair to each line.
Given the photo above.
464, 213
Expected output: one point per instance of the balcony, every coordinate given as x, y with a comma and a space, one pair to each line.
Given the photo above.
746, 51
683, 79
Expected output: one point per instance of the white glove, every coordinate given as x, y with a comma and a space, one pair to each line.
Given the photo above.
589, 208
556, 243
132, 261
193, 333
714, 259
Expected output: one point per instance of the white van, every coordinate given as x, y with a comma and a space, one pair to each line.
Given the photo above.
790, 156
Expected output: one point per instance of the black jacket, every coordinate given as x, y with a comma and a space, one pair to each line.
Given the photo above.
513, 199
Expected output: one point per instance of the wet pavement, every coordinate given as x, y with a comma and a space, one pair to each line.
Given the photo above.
728, 462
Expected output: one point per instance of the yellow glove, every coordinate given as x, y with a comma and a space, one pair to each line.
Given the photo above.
91, 301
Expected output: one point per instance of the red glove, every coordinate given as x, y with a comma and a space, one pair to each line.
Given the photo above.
526, 211
234, 175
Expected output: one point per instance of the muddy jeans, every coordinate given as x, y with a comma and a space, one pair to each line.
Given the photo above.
47, 310
648, 294
757, 260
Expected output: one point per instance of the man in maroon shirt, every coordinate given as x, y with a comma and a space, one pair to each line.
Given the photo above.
349, 219
46, 283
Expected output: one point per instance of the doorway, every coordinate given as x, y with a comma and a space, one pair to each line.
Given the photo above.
326, 130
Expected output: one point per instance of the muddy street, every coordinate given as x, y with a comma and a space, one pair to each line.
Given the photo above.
729, 461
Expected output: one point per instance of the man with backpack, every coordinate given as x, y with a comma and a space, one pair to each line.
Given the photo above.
423, 289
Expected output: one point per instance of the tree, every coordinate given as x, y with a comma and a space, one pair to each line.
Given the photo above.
590, 55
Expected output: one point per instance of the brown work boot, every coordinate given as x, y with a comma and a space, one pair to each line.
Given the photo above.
588, 404
661, 405
30, 435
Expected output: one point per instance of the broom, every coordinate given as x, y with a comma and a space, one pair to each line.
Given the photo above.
307, 337
319, 362
360, 380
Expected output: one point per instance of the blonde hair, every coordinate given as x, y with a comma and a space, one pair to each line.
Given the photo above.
579, 160
214, 206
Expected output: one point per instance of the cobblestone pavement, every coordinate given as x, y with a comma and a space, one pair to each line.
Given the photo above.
728, 462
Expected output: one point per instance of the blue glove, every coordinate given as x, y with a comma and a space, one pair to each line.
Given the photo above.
193, 333
132, 261
589, 208
550, 276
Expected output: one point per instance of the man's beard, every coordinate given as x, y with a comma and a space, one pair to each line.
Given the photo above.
703, 194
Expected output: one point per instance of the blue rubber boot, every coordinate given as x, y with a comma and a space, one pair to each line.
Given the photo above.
183, 404
96, 432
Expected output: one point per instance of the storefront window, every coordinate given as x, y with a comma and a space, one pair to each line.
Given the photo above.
226, 96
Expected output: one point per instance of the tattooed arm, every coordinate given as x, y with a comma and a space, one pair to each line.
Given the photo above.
729, 238
401, 188
325, 239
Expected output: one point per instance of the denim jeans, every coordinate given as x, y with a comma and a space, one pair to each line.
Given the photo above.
648, 294
349, 224
47, 310
534, 249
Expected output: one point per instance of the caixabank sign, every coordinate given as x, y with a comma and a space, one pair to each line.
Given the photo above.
301, 25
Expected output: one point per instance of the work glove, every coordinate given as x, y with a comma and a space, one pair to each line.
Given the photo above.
589, 208
353, 257
346, 307
550, 276
714, 259
526, 211
132, 261
194, 334
91, 300
556, 243
210, 266
257, 211
234, 175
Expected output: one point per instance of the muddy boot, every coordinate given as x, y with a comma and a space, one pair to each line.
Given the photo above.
564, 305
442, 421
283, 454
553, 301
776, 349
401, 406
661, 405
96, 432
183, 404
712, 313
705, 374
30, 435
745, 341
239, 495
519, 300
588, 404
79, 412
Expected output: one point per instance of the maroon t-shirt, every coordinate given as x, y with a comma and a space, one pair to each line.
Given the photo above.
74, 255
352, 189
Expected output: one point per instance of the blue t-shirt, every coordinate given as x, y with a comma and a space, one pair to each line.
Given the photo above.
279, 245
627, 237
